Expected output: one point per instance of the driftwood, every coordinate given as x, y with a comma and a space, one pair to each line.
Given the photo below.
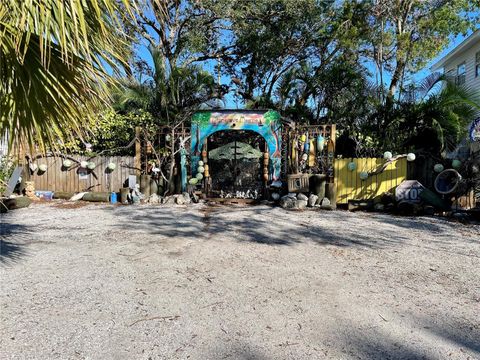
97, 197
65, 195
14, 203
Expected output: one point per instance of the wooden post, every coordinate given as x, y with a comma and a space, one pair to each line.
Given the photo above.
138, 151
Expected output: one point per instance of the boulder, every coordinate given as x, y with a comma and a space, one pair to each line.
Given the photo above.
154, 199
312, 200
379, 207
301, 196
325, 201
179, 200
326, 207
195, 198
287, 202
301, 204
187, 198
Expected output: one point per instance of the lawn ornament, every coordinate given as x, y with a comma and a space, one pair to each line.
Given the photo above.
199, 176
438, 168
200, 163
193, 181
449, 182
411, 157
201, 169
387, 155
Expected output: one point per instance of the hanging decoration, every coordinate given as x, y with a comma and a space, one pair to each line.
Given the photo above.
438, 168
363, 175
84, 164
456, 164
67, 163
111, 166
42, 167
411, 157
91, 165
352, 166
387, 155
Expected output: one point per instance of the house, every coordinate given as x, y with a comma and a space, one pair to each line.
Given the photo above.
463, 62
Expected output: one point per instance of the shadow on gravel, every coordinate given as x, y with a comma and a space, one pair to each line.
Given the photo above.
11, 250
253, 224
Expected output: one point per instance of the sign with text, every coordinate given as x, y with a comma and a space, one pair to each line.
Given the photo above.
409, 190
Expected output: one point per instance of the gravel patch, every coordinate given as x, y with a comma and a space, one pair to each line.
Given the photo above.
218, 282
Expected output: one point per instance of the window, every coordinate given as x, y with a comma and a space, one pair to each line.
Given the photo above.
461, 74
477, 64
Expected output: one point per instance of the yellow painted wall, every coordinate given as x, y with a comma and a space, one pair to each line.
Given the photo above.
350, 187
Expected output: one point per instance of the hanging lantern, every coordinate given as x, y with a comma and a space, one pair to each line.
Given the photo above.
67, 163
42, 167
33, 167
168, 138
387, 155
91, 165
438, 168
456, 164
363, 175
199, 176
201, 169
411, 157
84, 164
193, 181
111, 166
352, 166
304, 157
200, 163
320, 143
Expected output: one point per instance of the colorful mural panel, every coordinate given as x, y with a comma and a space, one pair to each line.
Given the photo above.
265, 123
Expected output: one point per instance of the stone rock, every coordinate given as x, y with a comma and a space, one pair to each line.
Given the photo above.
325, 201
187, 198
179, 200
312, 200
379, 207
301, 204
301, 196
168, 200
195, 198
287, 202
292, 195
154, 199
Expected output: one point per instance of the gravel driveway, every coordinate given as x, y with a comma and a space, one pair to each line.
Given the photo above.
213, 282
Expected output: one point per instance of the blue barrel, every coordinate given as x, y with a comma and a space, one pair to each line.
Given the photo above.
113, 197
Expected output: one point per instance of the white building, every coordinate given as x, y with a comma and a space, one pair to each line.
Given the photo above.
463, 62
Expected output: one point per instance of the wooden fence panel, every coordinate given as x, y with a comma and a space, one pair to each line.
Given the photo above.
56, 178
351, 187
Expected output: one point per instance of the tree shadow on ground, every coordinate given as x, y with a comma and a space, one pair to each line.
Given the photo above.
263, 225
11, 246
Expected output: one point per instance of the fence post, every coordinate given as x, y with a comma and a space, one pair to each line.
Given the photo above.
138, 151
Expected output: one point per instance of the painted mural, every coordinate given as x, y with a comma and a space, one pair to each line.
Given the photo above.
267, 124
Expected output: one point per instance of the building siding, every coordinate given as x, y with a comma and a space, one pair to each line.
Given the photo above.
468, 57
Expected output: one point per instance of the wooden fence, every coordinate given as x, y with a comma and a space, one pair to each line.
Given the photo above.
76, 179
351, 187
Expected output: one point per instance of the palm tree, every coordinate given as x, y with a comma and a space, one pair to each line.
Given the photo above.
56, 60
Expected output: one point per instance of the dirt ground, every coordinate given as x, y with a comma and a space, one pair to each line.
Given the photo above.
213, 282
